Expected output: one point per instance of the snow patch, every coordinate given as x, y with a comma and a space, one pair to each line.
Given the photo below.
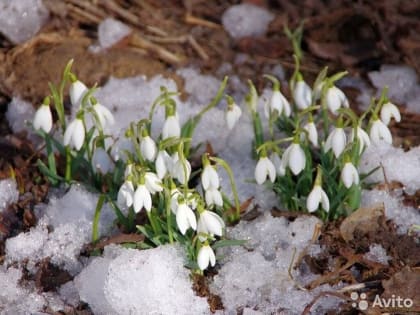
244, 20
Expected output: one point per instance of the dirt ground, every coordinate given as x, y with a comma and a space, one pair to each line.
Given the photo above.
343, 34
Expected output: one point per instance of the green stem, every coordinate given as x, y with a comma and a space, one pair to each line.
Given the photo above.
168, 213
95, 224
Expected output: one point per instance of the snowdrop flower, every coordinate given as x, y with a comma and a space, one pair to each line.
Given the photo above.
302, 94
101, 161
43, 118
205, 257
275, 158
125, 196
185, 218
233, 114
336, 141
75, 134
77, 91
142, 198
175, 194
294, 158
148, 148
265, 168
336, 99
171, 127
380, 132
312, 133
210, 223
163, 163
315, 197
178, 170
213, 196
152, 182
277, 104
349, 175
104, 115
362, 136
389, 111
209, 178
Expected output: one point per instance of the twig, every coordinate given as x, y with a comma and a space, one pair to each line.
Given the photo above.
189, 19
88, 6
82, 15
289, 271
196, 46
163, 53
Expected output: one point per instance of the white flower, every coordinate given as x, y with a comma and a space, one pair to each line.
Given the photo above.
294, 158
163, 163
142, 198
336, 99
389, 111
174, 200
275, 158
302, 94
178, 171
171, 127
43, 118
152, 182
349, 175
104, 115
336, 141
148, 148
315, 197
101, 161
312, 133
209, 178
128, 170
233, 114
125, 196
210, 223
277, 103
185, 218
77, 91
213, 196
75, 134
363, 137
265, 168
380, 132
205, 257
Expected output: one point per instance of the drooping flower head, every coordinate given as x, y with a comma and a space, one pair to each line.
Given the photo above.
43, 117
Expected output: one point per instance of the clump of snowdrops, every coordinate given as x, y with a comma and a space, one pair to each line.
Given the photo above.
312, 149
153, 175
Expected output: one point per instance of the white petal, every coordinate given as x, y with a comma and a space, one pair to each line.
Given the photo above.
148, 148
77, 91
69, 132
312, 133
302, 95
314, 198
43, 118
78, 135
212, 223
389, 111
171, 127
153, 183
325, 201
126, 194
160, 164
142, 199
232, 116
297, 159
206, 256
